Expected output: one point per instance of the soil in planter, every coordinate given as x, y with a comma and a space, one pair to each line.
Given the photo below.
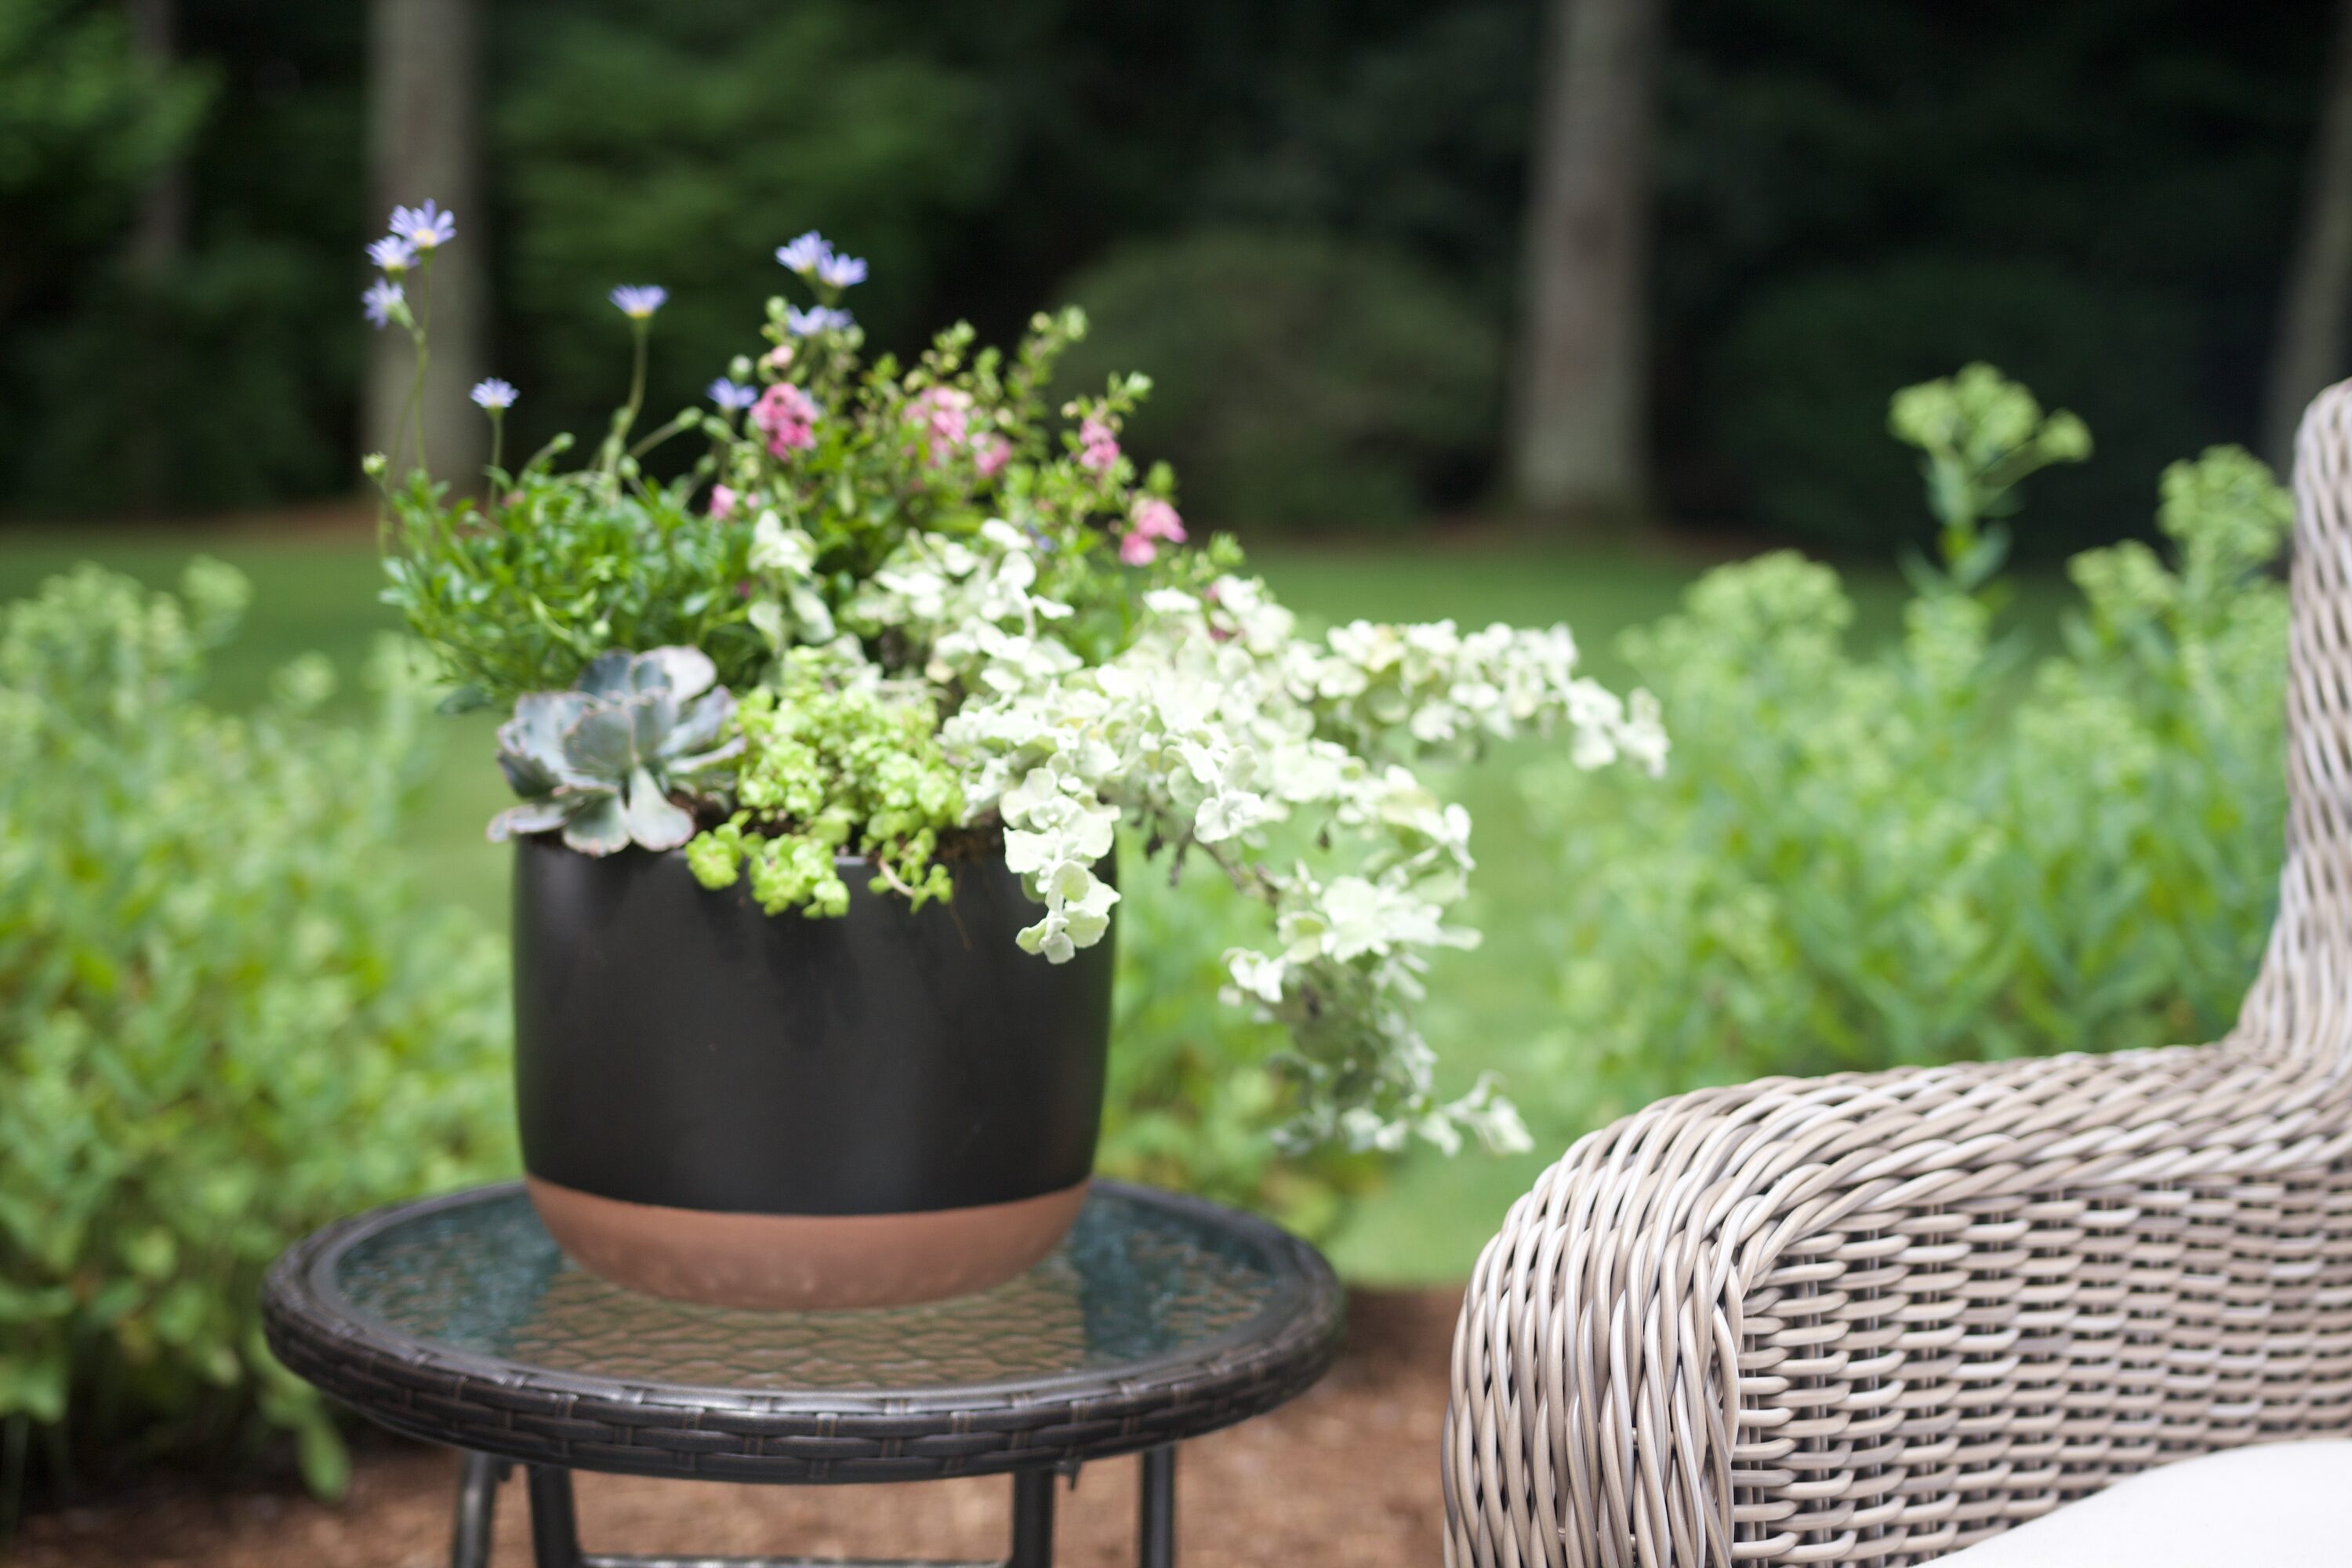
1345, 1476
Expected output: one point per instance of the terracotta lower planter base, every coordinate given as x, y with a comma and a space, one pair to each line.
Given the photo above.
801, 1261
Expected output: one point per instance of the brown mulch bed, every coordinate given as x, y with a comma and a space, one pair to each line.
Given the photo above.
1346, 1474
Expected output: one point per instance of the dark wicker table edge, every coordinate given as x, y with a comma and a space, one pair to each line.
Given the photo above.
539, 1416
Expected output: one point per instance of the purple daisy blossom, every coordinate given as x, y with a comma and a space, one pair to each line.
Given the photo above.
392, 254
807, 254
428, 227
380, 299
731, 395
841, 271
815, 319
494, 395
638, 301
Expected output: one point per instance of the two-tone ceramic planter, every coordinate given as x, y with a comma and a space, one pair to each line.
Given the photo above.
765, 1110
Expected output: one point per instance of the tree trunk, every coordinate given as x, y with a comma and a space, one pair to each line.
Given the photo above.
161, 236
424, 140
2308, 351
1579, 426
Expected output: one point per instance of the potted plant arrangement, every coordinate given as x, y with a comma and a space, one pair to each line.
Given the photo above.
823, 744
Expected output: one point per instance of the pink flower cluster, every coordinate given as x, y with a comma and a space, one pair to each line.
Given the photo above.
1155, 520
1097, 447
723, 502
789, 417
945, 415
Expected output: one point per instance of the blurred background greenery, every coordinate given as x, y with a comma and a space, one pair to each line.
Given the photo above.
1306, 219
1332, 230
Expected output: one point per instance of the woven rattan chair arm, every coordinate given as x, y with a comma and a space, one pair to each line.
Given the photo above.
1821, 1320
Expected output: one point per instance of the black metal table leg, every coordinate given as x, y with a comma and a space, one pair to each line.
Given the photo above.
478, 1501
554, 1528
1033, 1520
1155, 1512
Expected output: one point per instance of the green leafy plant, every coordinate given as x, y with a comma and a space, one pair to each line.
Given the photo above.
1941, 850
574, 570
601, 761
1981, 436
214, 974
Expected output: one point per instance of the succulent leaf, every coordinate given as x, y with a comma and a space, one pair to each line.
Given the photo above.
652, 821
604, 743
602, 829
609, 674
530, 817
693, 769
602, 762
688, 671
530, 744
699, 723
652, 715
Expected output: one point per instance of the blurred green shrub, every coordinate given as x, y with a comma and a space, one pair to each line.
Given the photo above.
1297, 378
1934, 852
225, 1019
1797, 390
682, 147
1194, 1096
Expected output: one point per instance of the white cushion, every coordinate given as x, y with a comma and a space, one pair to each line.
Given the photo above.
2288, 1504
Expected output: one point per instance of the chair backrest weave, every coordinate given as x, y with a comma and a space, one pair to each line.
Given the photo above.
2302, 1002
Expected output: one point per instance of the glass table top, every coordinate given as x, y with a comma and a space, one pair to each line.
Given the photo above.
1140, 1278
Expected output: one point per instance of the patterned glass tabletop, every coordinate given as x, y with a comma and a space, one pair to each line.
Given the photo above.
458, 1319
1134, 1280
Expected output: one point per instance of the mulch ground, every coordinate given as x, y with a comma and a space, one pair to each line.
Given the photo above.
1345, 1476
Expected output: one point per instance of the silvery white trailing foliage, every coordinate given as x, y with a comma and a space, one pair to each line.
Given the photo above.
960, 615
1217, 725
600, 763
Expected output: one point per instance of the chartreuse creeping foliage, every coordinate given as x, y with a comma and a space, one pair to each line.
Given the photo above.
1943, 849
840, 762
225, 1018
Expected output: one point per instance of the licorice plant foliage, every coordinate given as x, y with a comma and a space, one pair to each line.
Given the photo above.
957, 621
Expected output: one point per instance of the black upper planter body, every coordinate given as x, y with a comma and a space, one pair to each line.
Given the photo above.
682, 1048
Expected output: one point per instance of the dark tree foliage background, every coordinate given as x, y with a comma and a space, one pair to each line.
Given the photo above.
2097, 196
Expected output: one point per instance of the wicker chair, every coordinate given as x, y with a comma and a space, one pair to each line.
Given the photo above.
1872, 1319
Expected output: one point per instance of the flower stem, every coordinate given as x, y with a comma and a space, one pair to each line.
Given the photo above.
640, 329
684, 421
413, 408
497, 446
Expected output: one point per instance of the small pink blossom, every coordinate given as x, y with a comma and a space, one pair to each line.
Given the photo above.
723, 502
994, 453
1097, 447
945, 413
789, 418
1137, 549
1155, 518
778, 358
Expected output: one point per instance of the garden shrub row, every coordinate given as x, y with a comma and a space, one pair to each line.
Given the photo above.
1959, 846
226, 1016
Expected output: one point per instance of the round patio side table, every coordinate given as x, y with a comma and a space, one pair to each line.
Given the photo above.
456, 1320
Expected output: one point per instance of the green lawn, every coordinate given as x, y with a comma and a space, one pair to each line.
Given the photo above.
319, 593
